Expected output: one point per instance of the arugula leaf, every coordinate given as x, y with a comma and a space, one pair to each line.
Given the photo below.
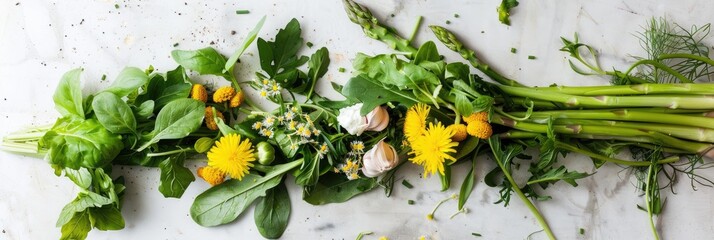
204, 61
280, 57
504, 10
230, 64
390, 70
273, 212
175, 178
68, 95
335, 188
317, 67
82, 202
223, 203
77, 227
561, 173
372, 94
113, 113
176, 120
128, 81
76, 143
106, 218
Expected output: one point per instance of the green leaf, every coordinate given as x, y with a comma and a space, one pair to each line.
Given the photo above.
333, 188
81, 177
284, 142
457, 71
76, 143
372, 94
445, 178
145, 110
504, 11
128, 81
77, 227
175, 178
248, 40
106, 218
204, 61
494, 177
317, 67
113, 113
468, 185
223, 203
68, 95
462, 103
466, 147
427, 53
273, 212
561, 173
176, 120
309, 172
82, 202
163, 91
280, 56
390, 70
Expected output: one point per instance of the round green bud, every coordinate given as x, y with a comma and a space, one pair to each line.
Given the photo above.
266, 153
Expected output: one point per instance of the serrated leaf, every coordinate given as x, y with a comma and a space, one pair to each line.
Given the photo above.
373, 94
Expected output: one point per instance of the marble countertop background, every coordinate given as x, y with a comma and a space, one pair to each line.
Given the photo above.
41, 39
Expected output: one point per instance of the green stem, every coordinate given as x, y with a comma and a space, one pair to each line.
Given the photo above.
684, 132
687, 55
416, 29
316, 107
576, 149
663, 101
621, 115
661, 66
637, 89
159, 154
648, 196
522, 196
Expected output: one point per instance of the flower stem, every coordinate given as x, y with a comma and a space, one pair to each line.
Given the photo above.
159, 154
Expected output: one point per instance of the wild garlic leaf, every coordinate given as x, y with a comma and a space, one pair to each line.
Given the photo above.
223, 203
504, 10
68, 95
372, 93
176, 120
205, 61
390, 70
77, 227
128, 81
334, 188
175, 177
281, 56
76, 143
272, 212
106, 218
113, 113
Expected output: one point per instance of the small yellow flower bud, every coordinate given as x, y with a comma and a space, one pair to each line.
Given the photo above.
479, 129
237, 100
211, 175
477, 117
459, 132
198, 92
224, 94
210, 122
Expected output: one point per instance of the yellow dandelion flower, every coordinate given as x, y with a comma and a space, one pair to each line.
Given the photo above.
460, 133
210, 122
211, 175
432, 149
477, 117
415, 121
232, 156
198, 92
237, 100
480, 130
224, 94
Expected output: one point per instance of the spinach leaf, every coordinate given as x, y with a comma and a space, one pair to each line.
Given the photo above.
335, 188
106, 218
82, 202
390, 70
128, 81
372, 94
272, 212
68, 95
223, 203
113, 113
175, 178
144, 111
248, 40
76, 143
176, 120
280, 57
77, 227
204, 61
81, 177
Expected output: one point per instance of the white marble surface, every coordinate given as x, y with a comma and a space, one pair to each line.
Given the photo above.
41, 39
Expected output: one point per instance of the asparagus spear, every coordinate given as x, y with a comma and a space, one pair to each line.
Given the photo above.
373, 29
638, 89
